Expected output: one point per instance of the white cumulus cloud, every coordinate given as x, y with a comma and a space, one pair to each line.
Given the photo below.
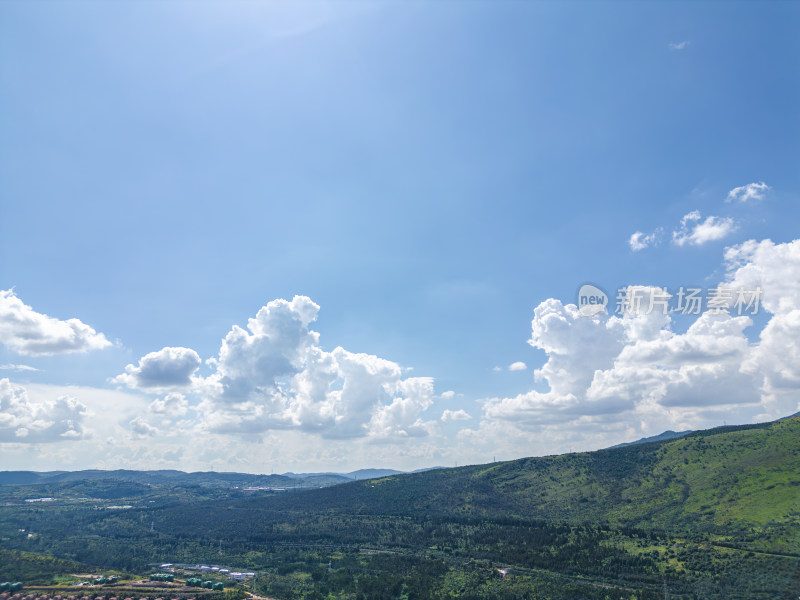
517, 366
696, 231
167, 368
30, 333
142, 428
772, 267
640, 241
775, 362
400, 418
52, 420
173, 404
746, 193
455, 415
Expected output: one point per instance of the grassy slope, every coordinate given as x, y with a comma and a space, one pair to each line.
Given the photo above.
746, 476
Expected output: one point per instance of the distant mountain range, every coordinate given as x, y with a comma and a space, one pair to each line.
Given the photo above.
359, 474
180, 478
200, 478
671, 435
661, 437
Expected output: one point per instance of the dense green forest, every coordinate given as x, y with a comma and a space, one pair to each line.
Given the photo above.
36, 569
713, 514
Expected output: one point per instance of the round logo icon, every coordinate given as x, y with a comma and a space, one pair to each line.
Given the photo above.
591, 300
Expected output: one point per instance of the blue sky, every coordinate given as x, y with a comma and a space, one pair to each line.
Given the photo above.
427, 173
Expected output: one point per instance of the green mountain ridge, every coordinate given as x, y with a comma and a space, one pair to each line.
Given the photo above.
666, 435
737, 476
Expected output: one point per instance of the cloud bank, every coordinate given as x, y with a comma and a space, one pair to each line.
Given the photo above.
274, 375
30, 333
24, 421
633, 371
